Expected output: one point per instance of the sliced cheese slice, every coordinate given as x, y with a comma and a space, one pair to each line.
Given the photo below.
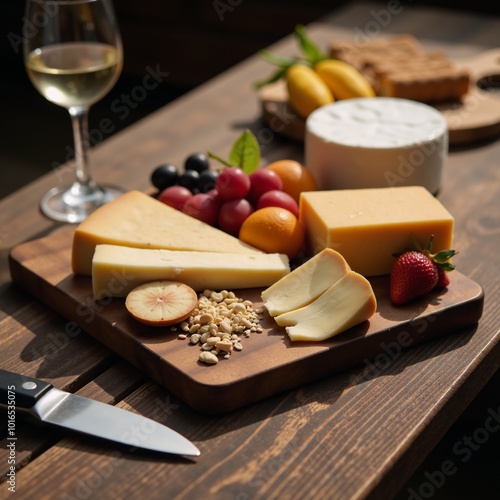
305, 283
137, 220
116, 270
348, 302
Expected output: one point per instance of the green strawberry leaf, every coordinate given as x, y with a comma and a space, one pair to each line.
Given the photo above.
416, 244
245, 152
447, 266
443, 256
312, 52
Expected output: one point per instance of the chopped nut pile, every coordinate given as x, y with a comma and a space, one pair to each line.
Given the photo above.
218, 324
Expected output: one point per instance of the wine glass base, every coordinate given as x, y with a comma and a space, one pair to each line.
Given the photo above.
63, 205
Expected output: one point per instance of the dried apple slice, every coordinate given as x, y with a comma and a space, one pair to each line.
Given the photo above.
161, 303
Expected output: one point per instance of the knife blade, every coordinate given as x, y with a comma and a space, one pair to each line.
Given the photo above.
52, 406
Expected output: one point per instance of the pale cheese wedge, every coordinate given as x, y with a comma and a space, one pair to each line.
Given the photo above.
138, 220
346, 303
305, 283
116, 270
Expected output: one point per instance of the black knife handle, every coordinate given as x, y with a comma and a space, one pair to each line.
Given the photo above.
21, 391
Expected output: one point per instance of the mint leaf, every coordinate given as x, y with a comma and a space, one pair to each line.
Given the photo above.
312, 52
245, 152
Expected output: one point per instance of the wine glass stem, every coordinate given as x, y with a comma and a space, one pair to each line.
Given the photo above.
79, 120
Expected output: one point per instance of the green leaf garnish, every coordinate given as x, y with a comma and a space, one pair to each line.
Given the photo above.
312, 52
277, 75
245, 152
218, 158
276, 59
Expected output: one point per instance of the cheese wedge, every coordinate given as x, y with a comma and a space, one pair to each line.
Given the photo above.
305, 283
137, 220
368, 226
116, 270
347, 303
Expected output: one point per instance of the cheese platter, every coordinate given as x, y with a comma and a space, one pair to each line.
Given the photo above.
232, 284
268, 363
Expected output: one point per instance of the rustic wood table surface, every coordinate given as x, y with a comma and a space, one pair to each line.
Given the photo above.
355, 434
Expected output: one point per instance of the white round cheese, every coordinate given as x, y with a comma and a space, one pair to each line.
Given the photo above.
376, 142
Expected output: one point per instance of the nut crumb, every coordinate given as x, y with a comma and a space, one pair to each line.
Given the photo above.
208, 358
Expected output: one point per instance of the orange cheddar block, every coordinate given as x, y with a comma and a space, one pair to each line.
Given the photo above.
368, 226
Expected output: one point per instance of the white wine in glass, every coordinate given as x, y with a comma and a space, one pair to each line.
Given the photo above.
73, 57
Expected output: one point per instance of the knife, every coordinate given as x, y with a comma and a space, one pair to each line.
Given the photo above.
63, 409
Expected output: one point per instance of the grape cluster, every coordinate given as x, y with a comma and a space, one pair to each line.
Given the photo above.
197, 176
221, 199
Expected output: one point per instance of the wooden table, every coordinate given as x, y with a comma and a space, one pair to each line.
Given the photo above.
356, 434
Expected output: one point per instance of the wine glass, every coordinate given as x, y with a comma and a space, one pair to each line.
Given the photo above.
73, 56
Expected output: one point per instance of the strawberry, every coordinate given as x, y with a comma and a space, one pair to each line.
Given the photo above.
443, 279
413, 274
417, 272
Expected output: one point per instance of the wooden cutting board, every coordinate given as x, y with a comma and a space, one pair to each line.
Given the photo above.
474, 119
269, 363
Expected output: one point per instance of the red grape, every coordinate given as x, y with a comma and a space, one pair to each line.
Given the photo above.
277, 198
175, 196
232, 183
232, 213
203, 207
213, 193
261, 181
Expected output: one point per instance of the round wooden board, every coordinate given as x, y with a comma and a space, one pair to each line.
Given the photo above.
475, 118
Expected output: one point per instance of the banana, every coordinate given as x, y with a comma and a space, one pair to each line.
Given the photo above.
161, 303
306, 90
343, 80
